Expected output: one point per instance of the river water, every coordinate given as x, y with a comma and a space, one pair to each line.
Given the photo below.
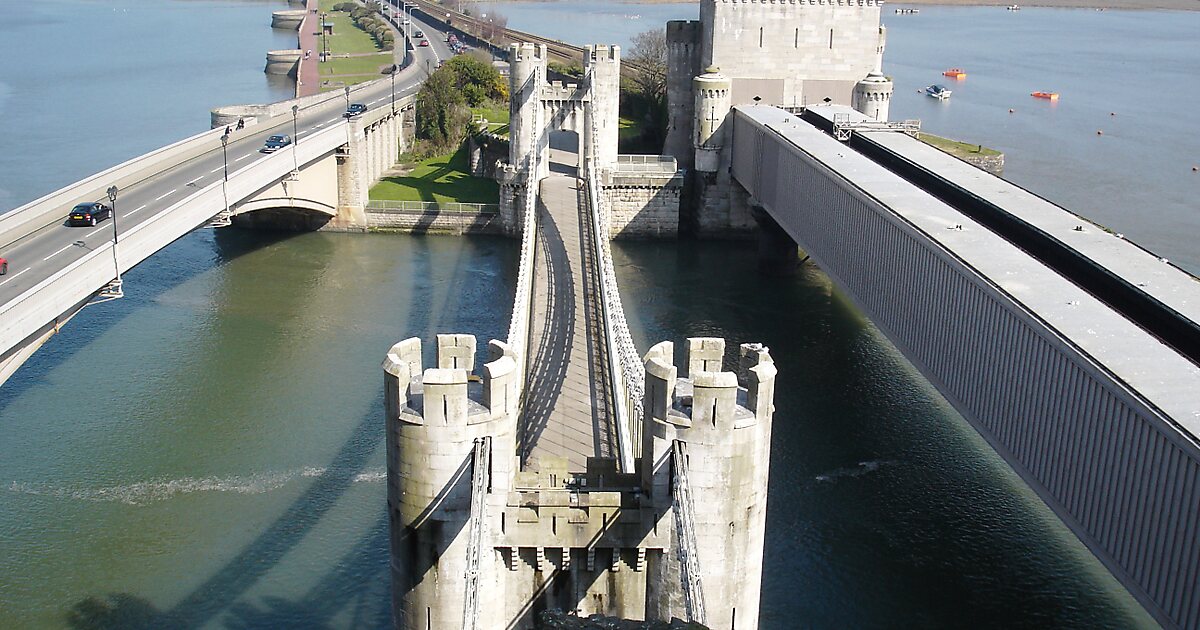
207, 452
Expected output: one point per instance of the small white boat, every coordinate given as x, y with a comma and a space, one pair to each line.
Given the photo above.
939, 92
1013, 7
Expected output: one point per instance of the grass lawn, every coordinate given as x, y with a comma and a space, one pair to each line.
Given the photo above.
496, 115
441, 178
346, 37
956, 148
371, 64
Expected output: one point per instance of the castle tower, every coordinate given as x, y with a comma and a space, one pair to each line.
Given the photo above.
683, 63
712, 90
434, 418
873, 95
527, 74
721, 420
604, 65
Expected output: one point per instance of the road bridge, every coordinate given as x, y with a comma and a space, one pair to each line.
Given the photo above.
321, 180
1066, 348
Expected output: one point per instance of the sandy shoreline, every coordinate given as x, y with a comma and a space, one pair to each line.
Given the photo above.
1123, 5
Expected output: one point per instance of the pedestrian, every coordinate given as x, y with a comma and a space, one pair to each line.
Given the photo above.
228, 130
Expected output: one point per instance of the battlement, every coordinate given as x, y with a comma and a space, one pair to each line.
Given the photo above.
450, 394
527, 51
562, 91
709, 398
602, 53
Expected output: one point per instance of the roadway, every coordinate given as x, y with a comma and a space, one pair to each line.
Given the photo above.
40, 255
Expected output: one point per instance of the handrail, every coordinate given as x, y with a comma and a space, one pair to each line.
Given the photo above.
629, 383
685, 524
479, 486
518, 325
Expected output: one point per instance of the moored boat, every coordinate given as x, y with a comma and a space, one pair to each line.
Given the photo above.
939, 92
955, 73
1051, 96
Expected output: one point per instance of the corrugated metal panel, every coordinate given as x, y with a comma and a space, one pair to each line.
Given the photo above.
1108, 463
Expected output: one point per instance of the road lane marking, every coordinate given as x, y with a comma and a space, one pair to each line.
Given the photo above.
133, 211
105, 227
195, 180
243, 157
216, 169
166, 195
14, 276
58, 252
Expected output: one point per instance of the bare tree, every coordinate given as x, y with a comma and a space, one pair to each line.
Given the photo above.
648, 55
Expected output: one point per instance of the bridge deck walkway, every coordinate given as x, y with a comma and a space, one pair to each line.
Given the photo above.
567, 407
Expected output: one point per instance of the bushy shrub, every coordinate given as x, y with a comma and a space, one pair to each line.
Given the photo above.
345, 7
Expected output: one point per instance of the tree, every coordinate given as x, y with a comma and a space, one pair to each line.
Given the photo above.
648, 84
477, 79
649, 55
442, 115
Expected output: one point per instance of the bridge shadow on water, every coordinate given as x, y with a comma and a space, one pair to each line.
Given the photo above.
353, 591
182, 261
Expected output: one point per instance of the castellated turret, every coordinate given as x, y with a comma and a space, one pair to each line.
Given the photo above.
600, 541
434, 418
526, 75
873, 95
722, 420
603, 64
712, 91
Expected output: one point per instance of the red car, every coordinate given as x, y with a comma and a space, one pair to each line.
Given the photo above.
424, 42
3, 266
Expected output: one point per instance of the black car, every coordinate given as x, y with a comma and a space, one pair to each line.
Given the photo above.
88, 214
275, 143
355, 109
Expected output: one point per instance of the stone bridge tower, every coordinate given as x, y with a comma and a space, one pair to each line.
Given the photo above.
631, 545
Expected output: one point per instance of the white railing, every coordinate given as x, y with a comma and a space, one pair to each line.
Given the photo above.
518, 325
388, 205
646, 164
627, 375
685, 527
479, 486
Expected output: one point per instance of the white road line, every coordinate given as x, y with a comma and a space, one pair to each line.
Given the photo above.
14, 276
133, 211
318, 125
195, 180
243, 157
105, 227
57, 252
166, 195
216, 169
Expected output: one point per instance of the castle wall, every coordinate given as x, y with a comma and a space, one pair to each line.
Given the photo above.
642, 205
790, 53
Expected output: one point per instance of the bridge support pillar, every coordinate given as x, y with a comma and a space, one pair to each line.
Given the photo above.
354, 182
778, 253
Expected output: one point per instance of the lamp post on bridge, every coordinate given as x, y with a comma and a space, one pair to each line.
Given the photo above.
115, 291
395, 69
225, 182
295, 140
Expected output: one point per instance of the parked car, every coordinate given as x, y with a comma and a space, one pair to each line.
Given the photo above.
424, 43
88, 214
355, 109
3, 266
275, 143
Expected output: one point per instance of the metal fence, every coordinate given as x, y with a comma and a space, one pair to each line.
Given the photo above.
646, 164
386, 206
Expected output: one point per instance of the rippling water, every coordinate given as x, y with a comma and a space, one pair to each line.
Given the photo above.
208, 451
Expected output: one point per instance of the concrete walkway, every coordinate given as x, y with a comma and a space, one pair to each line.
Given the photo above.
567, 409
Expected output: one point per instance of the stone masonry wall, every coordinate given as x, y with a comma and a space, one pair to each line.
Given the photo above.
642, 205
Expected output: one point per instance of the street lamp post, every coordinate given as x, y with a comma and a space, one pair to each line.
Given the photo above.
395, 68
224, 182
295, 139
324, 38
112, 200
225, 154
